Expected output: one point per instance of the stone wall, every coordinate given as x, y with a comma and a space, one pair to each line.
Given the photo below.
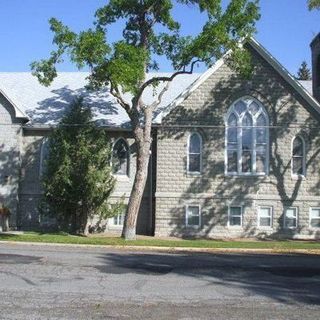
204, 112
10, 136
31, 191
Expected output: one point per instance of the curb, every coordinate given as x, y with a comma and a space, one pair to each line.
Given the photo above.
171, 249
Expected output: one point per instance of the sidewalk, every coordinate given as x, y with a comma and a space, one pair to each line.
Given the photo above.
173, 250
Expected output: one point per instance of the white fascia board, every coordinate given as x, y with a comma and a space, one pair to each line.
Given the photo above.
17, 111
285, 74
195, 85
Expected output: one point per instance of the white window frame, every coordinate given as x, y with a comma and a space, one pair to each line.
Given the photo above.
186, 215
241, 216
285, 218
271, 217
247, 100
310, 218
129, 159
111, 221
188, 154
45, 141
303, 157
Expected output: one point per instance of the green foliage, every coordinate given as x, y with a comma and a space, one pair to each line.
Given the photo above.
78, 181
150, 31
304, 72
314, 4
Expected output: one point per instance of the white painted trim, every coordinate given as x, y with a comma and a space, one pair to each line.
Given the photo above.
129, 158
247, 100
186, 215
304, 169
241, 217
285, 74
310, 210
271, 217
285, 215
17, 111
115, 226
188, 153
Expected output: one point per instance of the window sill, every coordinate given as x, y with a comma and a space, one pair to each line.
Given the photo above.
191, 174
237, 175
193, 227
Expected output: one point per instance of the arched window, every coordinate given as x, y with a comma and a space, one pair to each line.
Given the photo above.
298, 157
120, 157
194, 153
44, 154
247, 138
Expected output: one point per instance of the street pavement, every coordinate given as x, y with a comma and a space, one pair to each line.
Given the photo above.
54, 282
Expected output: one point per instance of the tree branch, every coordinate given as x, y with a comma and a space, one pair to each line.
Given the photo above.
158, 101
114, 90
162, 79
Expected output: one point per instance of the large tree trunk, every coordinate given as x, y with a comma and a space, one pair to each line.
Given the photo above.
143, 142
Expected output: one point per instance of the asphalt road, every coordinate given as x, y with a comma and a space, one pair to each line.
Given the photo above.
41, 282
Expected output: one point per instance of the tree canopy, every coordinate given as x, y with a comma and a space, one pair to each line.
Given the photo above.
314, 4
150, 31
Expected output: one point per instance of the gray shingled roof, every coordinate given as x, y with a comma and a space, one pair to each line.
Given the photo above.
44, 106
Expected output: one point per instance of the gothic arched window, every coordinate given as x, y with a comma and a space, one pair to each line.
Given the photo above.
120, 157
247, 135
298, 157
194, 153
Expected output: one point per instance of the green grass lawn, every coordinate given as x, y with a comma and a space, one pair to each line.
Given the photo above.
116, 241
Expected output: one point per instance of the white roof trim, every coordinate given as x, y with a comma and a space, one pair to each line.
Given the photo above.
267, 56
182, 96
17, 111
285, 74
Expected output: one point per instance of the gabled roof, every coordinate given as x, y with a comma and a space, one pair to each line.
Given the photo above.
304, 88
44, 106
286, 75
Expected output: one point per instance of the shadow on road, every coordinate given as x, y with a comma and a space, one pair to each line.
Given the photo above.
283, 278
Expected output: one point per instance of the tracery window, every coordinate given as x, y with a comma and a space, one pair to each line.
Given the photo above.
247, 137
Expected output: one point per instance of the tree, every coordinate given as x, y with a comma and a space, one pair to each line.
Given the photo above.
150, 31
304, 72
314, 4
77, 179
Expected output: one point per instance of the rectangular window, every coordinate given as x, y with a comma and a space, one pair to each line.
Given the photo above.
193, 215
235, 217
315, 217
118, 220
291, 218
265, 217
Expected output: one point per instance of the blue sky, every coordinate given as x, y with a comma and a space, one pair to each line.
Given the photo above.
286, 28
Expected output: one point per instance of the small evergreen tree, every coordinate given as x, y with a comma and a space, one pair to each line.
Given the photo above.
77, 180
304, 72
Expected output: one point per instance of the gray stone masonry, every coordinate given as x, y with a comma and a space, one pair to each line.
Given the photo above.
11, 136
204, 112
30, 192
